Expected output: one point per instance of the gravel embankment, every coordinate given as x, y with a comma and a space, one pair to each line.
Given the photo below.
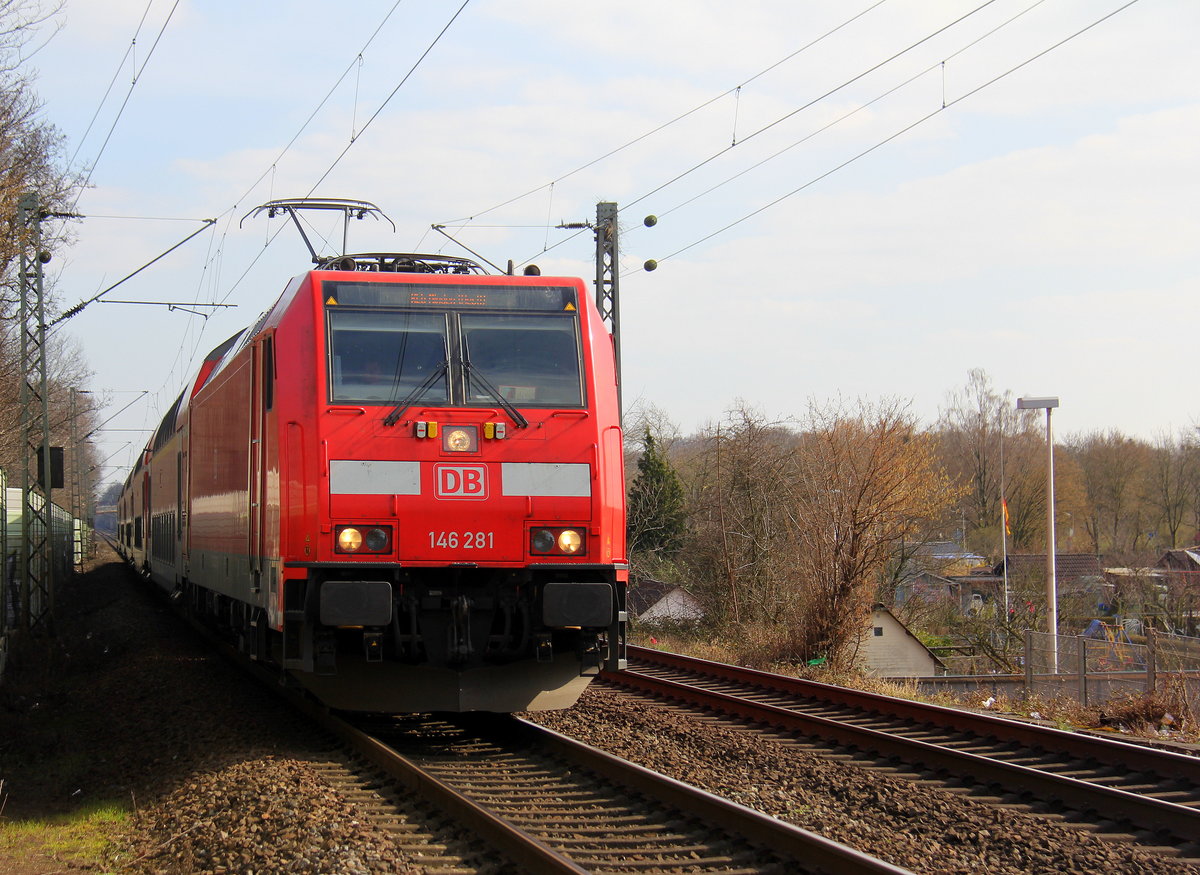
928, 830
126, 705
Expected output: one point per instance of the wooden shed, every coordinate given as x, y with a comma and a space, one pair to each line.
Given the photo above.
889, 650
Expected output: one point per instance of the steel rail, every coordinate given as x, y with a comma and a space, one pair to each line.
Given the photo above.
527, 851
520, 847
540, 857
762, 829
1134, 757
1159, 816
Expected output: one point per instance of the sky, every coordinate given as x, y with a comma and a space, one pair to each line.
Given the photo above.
855, 200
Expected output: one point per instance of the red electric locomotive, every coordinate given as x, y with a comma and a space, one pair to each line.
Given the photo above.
404, 485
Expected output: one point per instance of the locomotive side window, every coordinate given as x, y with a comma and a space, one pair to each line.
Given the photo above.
383, 355
532, 360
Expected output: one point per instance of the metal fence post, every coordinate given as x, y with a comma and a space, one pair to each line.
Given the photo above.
1151, 660
1028, 663
1083, 690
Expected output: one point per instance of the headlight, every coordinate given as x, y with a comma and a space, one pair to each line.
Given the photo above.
363, 539
570, 541
557, 541
349, 540
460, 439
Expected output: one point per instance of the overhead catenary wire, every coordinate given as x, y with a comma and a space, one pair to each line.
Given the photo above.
388, 99
695, 109
895, 88
112, 82
813, 102
791, 113
230, 211
353, 140
136, 78
320, 105
895, 135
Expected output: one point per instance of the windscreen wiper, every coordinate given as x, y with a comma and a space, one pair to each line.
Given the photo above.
477, 376
416, 394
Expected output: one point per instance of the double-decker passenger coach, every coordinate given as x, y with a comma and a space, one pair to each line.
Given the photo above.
405, 486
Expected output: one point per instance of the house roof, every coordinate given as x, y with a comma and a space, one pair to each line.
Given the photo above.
946, 550
878, 609
1067, 566
645, 593
1181, 560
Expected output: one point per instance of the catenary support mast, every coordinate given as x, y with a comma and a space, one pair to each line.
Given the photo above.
608, 279
35, 565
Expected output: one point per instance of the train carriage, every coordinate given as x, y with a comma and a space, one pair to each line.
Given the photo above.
405, 486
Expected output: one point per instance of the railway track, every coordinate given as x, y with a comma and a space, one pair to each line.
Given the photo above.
477, 794
549, 804
1117, 789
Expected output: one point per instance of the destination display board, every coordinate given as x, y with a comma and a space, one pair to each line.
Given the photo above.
557, 299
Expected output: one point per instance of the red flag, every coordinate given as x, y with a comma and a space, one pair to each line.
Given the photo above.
1007, 527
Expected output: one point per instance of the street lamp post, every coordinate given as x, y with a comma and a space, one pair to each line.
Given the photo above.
1048, 403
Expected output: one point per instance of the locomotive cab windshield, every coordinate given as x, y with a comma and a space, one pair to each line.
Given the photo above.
386, 350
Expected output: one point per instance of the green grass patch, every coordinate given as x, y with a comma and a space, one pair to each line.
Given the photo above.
80, 836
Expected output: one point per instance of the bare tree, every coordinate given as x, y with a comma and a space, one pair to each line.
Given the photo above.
1169, 486
31, 149
971, 432
31, 160
1113, 470
741, 482
866, 478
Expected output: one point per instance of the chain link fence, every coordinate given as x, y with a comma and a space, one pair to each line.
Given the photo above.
1094, 670
71, 542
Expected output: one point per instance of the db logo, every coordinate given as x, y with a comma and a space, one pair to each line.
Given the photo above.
461, 481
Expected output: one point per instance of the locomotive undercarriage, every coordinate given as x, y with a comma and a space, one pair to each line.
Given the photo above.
467, 638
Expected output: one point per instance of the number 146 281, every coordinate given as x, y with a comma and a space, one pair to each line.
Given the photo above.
462, 540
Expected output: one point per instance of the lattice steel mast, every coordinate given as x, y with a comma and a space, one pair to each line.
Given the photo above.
35, 565
608, 278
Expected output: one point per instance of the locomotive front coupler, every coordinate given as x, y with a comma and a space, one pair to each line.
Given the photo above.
590, 655
326, 653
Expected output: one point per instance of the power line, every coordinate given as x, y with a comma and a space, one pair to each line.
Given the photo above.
136, 78
853, 112
320, 105
810, 103
230, 212
388, 99
112, 82
348, 145
667, 124
790, 114
899, 133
